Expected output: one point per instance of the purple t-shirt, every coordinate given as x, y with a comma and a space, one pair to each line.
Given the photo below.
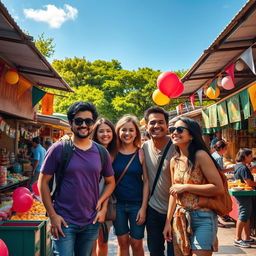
79, 191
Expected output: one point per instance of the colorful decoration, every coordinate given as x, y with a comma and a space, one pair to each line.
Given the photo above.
159, 98
192, 101
247, 57
230, 71
222, 113
35, 188
3, 248
239, 66
227, 83
22, 203
200, 95
11, 76
234, 112
252, 94
37, 95
20, 191
169, 84
23, 86
212, 94
47, 104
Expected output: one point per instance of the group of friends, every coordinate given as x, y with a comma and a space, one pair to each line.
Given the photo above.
158, 186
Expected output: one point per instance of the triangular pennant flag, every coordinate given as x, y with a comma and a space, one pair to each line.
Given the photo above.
192, 101
177, 110
47, 104
200, 96
181, 108
37, 95
23, 86
247, 57
186, 106
252, 94
214, 86
230, 71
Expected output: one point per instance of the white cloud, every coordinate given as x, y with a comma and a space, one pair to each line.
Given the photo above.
54, 16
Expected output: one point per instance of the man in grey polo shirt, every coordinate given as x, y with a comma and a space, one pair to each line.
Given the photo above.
157, 127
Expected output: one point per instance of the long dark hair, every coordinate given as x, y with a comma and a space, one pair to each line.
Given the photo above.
196, 144
112, 147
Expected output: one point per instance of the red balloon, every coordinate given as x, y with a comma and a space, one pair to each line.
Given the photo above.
3, 248
35, 188
20, 191
167, 83
179, 90
22, 203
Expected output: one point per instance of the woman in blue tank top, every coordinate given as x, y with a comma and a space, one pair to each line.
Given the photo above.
132, 191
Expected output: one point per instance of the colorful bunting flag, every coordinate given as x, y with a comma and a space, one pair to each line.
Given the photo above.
205, 115
230, 71
244, 97
200, 95
181, 108
37, 95
252, 93
234, 109
222, 113
177, 110
23, 86
192, 101
47, 104
213, 116
247, 57
186, 106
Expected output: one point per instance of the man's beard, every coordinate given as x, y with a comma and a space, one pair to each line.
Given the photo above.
78, 135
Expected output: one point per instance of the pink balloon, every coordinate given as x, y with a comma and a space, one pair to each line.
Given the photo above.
227, 83
20, 191
3, 248
22, 203
179, 90
35, 188
167, 83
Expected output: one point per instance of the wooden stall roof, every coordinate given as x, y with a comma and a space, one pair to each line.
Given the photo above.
18, 51
51, 120
238, 36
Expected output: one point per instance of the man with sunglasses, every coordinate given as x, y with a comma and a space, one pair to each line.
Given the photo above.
157, 127
76, 210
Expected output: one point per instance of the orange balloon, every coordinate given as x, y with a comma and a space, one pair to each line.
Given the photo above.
160, 98
11, 76
213, 94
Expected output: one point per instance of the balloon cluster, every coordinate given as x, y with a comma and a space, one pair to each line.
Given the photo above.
22, 200
3, 248
169, 86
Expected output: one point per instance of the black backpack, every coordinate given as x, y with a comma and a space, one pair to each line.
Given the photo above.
67, 151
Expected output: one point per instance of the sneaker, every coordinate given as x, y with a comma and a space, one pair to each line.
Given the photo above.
242, 244
251, 241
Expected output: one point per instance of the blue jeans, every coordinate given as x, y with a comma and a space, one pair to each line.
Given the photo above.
125, 222
204, 227
155, 226
78, 240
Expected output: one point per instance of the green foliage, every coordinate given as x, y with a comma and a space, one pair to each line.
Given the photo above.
45, 45
112, 89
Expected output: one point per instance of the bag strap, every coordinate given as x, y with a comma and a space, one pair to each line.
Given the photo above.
126, 168
66, 155
103, 154
160, 167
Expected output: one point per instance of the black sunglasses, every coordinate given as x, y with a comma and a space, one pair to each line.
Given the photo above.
79, 121
179, 129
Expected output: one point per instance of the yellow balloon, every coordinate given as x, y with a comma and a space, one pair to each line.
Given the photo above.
11, 76
211, 94
160, 98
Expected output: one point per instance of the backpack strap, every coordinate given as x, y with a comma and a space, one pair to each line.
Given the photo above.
66, 155
103, 155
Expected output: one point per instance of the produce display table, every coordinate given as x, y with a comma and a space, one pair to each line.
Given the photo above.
234, 213
26, 238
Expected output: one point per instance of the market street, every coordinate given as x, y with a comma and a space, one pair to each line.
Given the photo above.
226, 247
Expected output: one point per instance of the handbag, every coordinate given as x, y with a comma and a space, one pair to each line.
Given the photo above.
111, 210
221, 204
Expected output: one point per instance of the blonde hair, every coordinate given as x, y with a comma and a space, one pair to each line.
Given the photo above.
129, 119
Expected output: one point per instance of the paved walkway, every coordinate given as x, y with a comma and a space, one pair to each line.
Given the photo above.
226, 247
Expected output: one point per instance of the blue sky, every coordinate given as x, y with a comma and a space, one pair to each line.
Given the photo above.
159, 34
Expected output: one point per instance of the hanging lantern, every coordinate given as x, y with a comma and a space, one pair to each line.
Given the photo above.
11, 76
239, 66
213, 94
227, 83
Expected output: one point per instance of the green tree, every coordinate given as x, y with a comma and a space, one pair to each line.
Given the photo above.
45, 45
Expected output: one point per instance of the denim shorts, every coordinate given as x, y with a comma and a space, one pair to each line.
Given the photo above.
204, 226
125, 222
244, 207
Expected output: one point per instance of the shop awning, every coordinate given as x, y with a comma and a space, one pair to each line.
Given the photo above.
19, 52
52, 121
238, 36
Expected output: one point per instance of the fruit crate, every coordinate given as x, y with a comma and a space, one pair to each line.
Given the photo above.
25, 238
